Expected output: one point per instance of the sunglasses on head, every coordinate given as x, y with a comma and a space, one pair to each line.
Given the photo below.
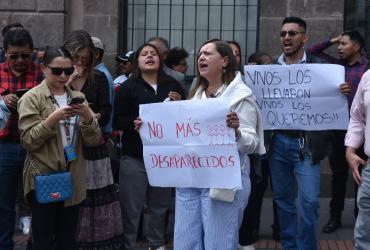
59, 70
17, 55
290, 33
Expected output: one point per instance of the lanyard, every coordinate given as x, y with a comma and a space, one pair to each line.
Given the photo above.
67, 123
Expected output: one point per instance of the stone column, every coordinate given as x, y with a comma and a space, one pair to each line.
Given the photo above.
100, 19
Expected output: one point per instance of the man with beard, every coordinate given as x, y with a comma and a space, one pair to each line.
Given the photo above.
17, 74
296, 154
350, 45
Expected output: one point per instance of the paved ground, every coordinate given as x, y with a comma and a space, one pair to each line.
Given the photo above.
340, 240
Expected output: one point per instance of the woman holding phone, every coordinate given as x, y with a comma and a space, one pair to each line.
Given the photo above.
100, 224
47, 125
147, 84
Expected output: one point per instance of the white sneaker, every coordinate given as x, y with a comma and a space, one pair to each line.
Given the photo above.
249, 247
25, 224
159, 248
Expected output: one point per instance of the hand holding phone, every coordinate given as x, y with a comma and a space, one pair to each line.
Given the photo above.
20, 92
76, 100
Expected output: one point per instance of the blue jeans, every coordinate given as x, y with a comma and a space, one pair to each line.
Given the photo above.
285, 166
11, 163
362, 227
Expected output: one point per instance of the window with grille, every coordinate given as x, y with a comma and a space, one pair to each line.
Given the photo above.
188, 23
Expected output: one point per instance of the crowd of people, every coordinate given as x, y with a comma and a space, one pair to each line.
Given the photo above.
61, 111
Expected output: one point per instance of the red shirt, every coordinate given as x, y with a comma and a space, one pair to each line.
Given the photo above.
9, 83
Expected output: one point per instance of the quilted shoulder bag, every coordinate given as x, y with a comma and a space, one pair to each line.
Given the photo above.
52, 187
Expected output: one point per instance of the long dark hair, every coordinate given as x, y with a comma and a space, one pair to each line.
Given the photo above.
229, 71
136, 73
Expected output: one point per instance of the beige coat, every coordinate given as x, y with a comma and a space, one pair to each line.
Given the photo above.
45, 145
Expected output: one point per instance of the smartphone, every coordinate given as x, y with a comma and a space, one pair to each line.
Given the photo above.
5, 92
20, 92
76, 100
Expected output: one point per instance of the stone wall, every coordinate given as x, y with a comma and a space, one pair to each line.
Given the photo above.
50, 20
45, 19
324, 18
100, 19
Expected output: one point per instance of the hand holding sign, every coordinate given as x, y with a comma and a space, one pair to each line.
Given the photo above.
300, 96
186, 147
137, 124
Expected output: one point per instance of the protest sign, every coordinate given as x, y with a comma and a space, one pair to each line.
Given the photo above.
187, 144
299, 96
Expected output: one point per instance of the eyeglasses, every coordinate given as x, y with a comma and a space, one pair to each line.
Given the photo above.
291, 33
24, 56
59, 70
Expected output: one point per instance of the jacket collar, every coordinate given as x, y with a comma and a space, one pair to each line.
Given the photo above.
44, 89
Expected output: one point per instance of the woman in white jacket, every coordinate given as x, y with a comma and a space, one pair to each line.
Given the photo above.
210, 218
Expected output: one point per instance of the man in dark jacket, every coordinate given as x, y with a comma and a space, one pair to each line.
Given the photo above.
350, 45
296, 154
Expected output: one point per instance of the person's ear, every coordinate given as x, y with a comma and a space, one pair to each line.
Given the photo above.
226, 61
305, 38
43, 68
356, 47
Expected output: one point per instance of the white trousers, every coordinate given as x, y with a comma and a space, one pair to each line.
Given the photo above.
202, 223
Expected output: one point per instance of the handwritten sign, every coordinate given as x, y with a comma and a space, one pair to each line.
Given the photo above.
299, 96
187, 144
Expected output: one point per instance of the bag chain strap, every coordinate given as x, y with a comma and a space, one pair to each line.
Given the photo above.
33, 165
36, 171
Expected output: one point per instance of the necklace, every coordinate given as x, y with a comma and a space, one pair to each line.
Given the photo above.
209, 94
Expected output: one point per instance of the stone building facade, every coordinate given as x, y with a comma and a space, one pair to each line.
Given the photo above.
50, 20
323, 19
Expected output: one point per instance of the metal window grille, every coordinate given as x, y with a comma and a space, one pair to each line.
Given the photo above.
357, 16
188, 23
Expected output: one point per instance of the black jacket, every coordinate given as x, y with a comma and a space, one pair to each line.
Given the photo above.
132, 93
319, 142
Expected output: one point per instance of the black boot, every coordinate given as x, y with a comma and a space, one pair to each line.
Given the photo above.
333, 224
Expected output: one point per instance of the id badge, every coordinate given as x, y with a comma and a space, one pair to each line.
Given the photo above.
70, 152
